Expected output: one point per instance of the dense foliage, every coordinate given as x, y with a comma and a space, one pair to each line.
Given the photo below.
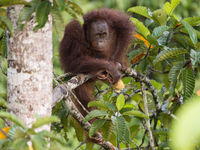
165, 48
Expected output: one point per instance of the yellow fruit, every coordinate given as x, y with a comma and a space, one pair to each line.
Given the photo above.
118, 86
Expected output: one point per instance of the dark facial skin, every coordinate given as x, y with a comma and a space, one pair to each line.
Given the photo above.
99, 36
100, 40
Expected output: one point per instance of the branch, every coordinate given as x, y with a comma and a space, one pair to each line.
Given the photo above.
141, 78
148, 124
64, 91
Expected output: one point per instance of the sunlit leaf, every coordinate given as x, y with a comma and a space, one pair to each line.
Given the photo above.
169, 7
120, 102
135, 113
191, 31
45, 120
12, 118
140, 26
141, 10
160, 16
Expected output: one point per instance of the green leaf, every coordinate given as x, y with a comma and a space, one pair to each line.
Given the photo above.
1, 31
175, 71
127, 135
4, 45
21, 144
140, 26
3, 103
75, 7
12, 118
173, 75
54, 137
26, 13
75, 11
95, 126
80, 132
141, 10
135, 113
191, 31
156, 85
169, 7
8, 24
158, 31
102, 105
183, 40
13, 2
45, 120
194, 57
95, 113
19, 133
119, 127
38, 142
42, 12
168, 53
193, 21
160, 16
120, 102
188, 80
107, 130
5, 142
61, 4
129, 106
58, 23
12, 131
161, 132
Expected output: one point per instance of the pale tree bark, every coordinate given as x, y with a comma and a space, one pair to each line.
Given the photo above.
30, 70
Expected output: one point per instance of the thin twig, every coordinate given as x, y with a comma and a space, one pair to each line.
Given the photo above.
148, 124
143, 79
63, 75
143, 138
82, 143
158, 71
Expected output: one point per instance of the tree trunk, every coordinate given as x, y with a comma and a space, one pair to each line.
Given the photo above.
30, 70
